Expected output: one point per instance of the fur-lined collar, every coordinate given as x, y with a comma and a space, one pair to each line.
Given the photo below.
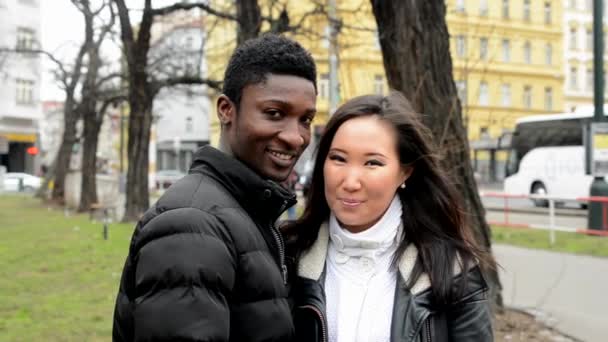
312, 262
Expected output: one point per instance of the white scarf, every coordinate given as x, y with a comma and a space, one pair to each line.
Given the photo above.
360, 284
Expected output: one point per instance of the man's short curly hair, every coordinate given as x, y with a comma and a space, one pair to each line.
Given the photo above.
251, 62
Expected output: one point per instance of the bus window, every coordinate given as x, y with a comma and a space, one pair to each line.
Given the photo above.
512, 164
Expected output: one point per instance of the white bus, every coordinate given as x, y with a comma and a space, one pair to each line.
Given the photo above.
547, 156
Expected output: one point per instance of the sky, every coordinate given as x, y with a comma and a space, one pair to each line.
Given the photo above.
62, 31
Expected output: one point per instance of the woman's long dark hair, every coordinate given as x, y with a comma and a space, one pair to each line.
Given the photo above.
433, 218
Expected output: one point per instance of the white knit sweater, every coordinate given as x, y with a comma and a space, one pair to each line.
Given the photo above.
359, 283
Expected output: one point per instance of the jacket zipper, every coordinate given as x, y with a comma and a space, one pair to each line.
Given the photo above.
428, 329
320, 315
281, 244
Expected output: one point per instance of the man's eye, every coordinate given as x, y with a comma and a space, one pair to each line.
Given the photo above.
308, 120
273, 113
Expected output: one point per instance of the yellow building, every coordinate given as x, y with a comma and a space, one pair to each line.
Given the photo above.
508, 63
507, 60
507, 57
360, 60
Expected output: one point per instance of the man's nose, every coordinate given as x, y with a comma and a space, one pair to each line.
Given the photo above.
292, 135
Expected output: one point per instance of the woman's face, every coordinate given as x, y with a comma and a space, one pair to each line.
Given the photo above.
362, 172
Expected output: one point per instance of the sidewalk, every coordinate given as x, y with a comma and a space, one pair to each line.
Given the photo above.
568, 290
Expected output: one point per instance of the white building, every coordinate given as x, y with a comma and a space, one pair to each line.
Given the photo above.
578, 52
20, 77
181, 112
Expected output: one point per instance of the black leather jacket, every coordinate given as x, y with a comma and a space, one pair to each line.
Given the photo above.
414, 318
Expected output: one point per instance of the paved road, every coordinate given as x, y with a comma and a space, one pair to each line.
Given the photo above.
571, 290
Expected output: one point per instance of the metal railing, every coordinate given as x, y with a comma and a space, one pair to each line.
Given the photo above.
551, 221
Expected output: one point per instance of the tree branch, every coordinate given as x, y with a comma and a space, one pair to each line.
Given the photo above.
170, 82
188, 6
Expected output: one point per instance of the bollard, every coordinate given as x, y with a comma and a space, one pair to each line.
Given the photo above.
105, 224
551, 222
105, 230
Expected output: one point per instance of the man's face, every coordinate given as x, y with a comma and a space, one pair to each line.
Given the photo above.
272, 126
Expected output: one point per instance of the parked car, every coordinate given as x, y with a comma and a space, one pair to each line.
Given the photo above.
20, 181
164, 178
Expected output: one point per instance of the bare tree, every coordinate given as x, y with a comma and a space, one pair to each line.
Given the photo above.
69, 80
415, 47
93, 105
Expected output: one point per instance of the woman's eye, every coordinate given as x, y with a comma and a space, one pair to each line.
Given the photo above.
336, 158
374, 163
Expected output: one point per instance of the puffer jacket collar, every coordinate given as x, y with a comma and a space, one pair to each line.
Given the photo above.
264, 200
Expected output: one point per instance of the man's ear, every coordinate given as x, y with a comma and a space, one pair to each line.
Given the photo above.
226, 110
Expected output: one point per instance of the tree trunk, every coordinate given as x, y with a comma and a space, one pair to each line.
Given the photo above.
64, 154
416, 52
140, 123
88, 188
249, 17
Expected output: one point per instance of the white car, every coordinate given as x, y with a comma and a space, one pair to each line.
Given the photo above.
29, 183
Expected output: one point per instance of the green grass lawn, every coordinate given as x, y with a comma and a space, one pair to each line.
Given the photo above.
564, 241
58, 277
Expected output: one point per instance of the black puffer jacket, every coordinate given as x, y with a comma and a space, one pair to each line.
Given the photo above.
206, 262
414, 317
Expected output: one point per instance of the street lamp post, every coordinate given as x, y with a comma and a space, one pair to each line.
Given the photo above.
599, 187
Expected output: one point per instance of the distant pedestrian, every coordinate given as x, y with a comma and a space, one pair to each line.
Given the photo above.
206, 262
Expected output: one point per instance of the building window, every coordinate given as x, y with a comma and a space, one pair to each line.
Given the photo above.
189, 125
572, 42
573, 78
26, 38
547, 13
527, 97
483, 94
484, 132
589, 78
548, 54
506, 50
526, 10
378, 85
461, 88
505, 9
461, 46
527, 53
460, 6
505, 91
324, 86
483, 8
24, 91
589, 35
548, 98
483, 48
